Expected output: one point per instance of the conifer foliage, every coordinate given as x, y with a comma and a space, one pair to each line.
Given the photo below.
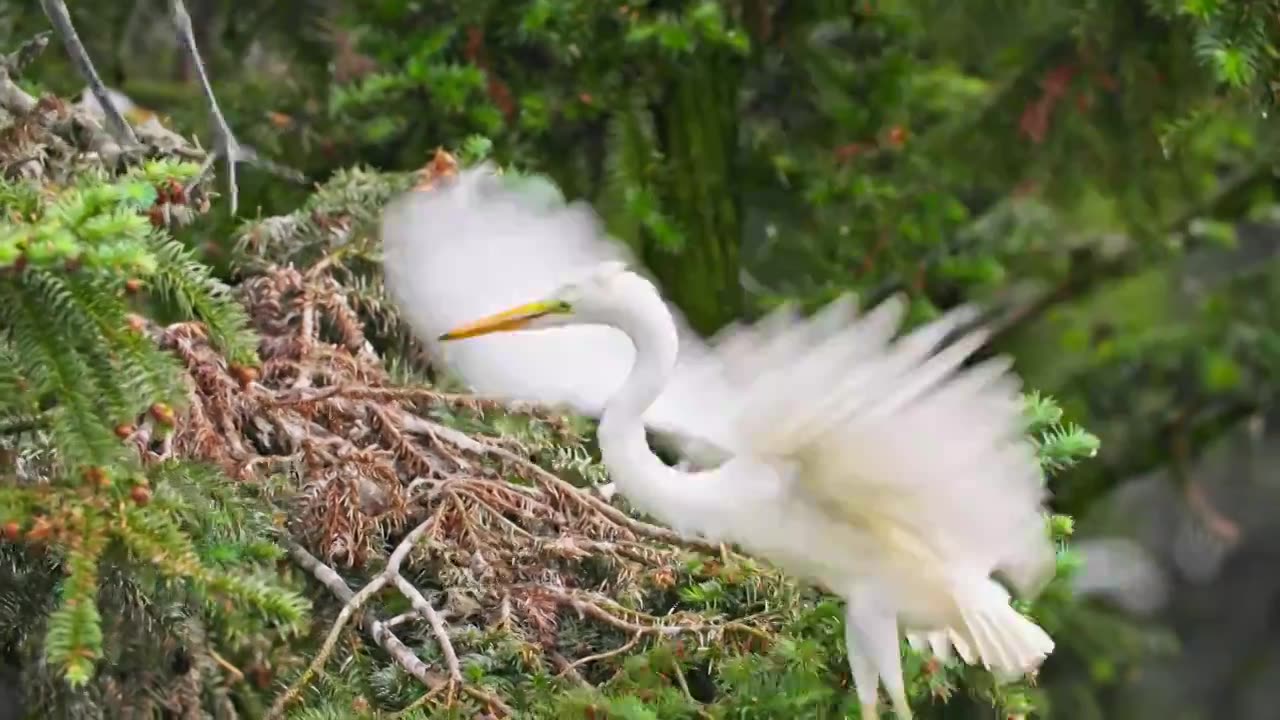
1236, 41
116, 551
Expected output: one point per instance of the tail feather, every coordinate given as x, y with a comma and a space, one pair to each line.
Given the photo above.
997, 635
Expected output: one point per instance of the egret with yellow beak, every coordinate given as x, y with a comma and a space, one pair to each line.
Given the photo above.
881, 468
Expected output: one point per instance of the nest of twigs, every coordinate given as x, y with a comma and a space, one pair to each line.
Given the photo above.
52, 141
375, 469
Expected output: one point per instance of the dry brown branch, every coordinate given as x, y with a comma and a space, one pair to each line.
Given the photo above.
235, 672
649, 625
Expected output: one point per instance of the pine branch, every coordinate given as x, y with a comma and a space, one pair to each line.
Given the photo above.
74, 638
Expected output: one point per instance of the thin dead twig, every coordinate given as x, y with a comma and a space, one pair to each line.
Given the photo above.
378, 631
571, 667
592, 609
425, 609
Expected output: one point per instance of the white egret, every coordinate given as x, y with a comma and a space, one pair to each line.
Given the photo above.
879, 468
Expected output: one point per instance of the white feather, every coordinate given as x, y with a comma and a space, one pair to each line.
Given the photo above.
900, 438
476, 246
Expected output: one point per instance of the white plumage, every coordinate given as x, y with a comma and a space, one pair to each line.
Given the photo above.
872, 464
455, 254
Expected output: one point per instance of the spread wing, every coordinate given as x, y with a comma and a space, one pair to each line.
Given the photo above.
895, 434
891, 432
478, 243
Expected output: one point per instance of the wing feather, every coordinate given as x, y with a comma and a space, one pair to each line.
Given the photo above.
899, 435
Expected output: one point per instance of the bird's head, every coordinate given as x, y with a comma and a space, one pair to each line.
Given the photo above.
605, 295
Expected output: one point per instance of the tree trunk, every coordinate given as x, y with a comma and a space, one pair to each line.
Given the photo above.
697, 133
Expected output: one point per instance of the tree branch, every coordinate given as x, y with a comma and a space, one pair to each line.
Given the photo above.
225, 143
18, 60
379, 631
56, 10
1089, 273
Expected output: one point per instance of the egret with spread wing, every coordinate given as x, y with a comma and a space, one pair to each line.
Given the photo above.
879, 467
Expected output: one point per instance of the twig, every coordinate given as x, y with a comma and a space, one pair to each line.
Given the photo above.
56, 10
572, 666
225, 143
222, 662
421, 702
416, 424
437, 625
566, 668
380, 632
18, 60
400, 619
350, 608
644, 529
590, 609
680, 678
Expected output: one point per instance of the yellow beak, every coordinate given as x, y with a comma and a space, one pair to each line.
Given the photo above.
513, 319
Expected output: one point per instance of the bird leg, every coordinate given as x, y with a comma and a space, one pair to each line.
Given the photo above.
121, 132
225, 143
871, 640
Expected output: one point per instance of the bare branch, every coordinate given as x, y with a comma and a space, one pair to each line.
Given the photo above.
18, 60
225, 143
380, 632
351, 607
437, 625
56, 10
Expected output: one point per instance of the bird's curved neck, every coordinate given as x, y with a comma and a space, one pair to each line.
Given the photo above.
640, 474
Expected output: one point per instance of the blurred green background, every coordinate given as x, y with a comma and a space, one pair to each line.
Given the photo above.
1100, 174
